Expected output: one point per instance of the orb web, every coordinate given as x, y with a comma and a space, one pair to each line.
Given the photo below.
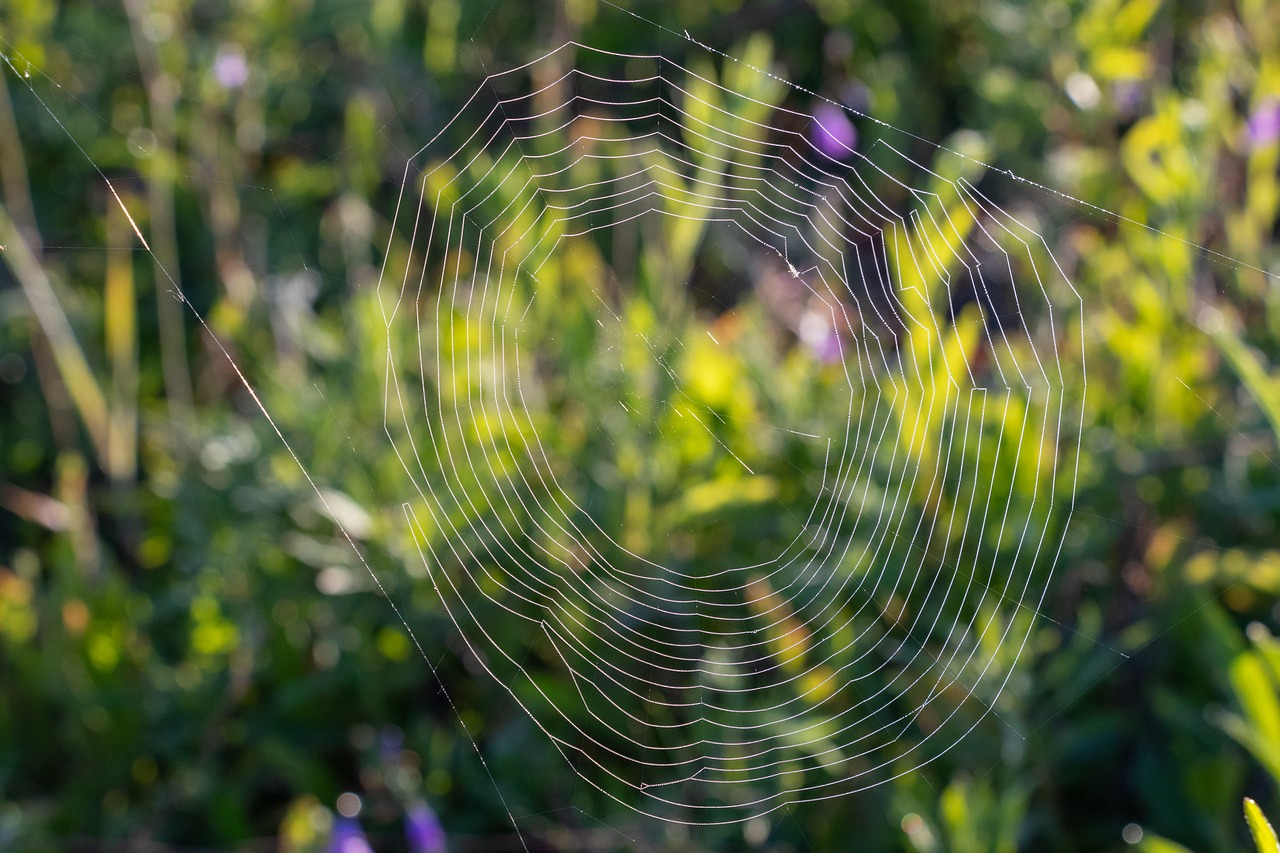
831, 581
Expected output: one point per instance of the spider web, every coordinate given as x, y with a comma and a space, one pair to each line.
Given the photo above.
538, 310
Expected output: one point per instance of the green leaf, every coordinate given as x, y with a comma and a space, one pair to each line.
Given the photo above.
1248, 364
1264, 837
716, 496
1257, 694
1264, 750
1156, 844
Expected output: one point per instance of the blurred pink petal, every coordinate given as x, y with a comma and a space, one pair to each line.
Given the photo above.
1264, 124
348, 837
230, 68
833, 133
423, 829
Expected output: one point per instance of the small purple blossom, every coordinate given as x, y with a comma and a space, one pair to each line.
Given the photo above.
822, 340
423, 830
1264, 124
230, 68
348, 837
829, 349
833, 133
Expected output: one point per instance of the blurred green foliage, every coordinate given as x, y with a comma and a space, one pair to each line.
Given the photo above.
193, 655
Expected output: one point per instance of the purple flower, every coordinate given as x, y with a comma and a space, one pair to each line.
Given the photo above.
1264, 124
423, 829
823, 341
830, 350
230, 68
833, 133
348, 837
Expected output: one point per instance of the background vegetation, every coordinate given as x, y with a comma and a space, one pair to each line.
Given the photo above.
190, 655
